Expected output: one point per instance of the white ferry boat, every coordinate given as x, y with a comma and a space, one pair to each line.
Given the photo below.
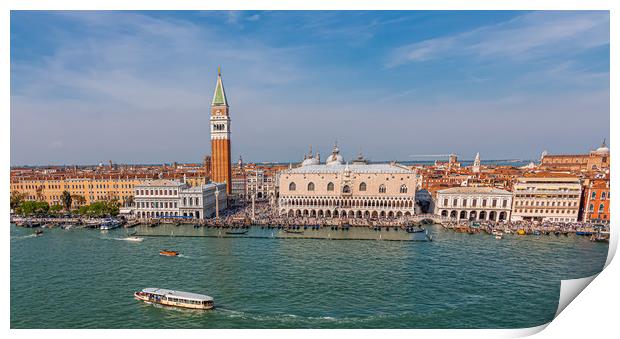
109, 224
175, 298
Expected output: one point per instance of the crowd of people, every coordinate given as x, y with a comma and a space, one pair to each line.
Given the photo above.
529, 226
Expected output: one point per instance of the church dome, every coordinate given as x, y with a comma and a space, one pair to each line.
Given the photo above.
335, 158
310, 161
603, 149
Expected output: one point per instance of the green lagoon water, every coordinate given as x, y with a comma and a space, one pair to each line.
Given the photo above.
85, 279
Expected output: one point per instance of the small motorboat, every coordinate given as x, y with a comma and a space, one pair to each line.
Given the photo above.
38, 233
134, 239
294, 231
169, 253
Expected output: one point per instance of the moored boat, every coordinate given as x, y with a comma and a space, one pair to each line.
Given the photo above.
237, 232
415, 230
175, 298
109, 224
169, 253
600, 237
521, 231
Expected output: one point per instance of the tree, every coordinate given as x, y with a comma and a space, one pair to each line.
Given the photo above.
34, 207
55, 208
17, 199
40, 195
79, 200
66, 200
100, 209
129, 201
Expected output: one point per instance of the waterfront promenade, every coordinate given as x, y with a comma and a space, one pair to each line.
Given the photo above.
265, 216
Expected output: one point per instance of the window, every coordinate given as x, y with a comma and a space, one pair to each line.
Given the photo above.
601, 208
346, 189
311, 186
602, 195
591, 208
484, 202
362, 187
445, 202
593, 195
292, 186
330, 186
403, 189
474, 202
464, 202
382, 188
505, 203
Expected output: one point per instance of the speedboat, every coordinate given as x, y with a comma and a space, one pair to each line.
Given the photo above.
133, 239
169, 253
175, 298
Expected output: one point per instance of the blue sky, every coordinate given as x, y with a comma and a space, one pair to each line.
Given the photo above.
135, 87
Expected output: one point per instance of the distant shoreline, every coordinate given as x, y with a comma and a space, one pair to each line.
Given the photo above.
500, 162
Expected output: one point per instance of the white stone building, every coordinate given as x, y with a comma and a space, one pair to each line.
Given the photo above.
173, 199
357, 190
474, 203
200, 201
547, 197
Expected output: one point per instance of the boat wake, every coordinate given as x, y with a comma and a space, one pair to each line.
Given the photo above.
21, 237
128, 239
301, 320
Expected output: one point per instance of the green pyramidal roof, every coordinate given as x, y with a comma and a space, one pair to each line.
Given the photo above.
219, 97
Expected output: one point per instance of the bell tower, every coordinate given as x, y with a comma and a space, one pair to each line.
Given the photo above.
221, 170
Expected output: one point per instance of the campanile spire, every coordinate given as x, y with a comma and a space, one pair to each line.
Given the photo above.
221, 167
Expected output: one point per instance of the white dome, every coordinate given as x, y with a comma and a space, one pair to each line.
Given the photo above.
603, 149
334, 159
310, 161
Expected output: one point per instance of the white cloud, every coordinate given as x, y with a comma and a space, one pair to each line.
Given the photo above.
131, 79
529, 36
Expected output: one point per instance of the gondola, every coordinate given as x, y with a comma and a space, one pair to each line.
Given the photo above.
415, 230
239, 232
